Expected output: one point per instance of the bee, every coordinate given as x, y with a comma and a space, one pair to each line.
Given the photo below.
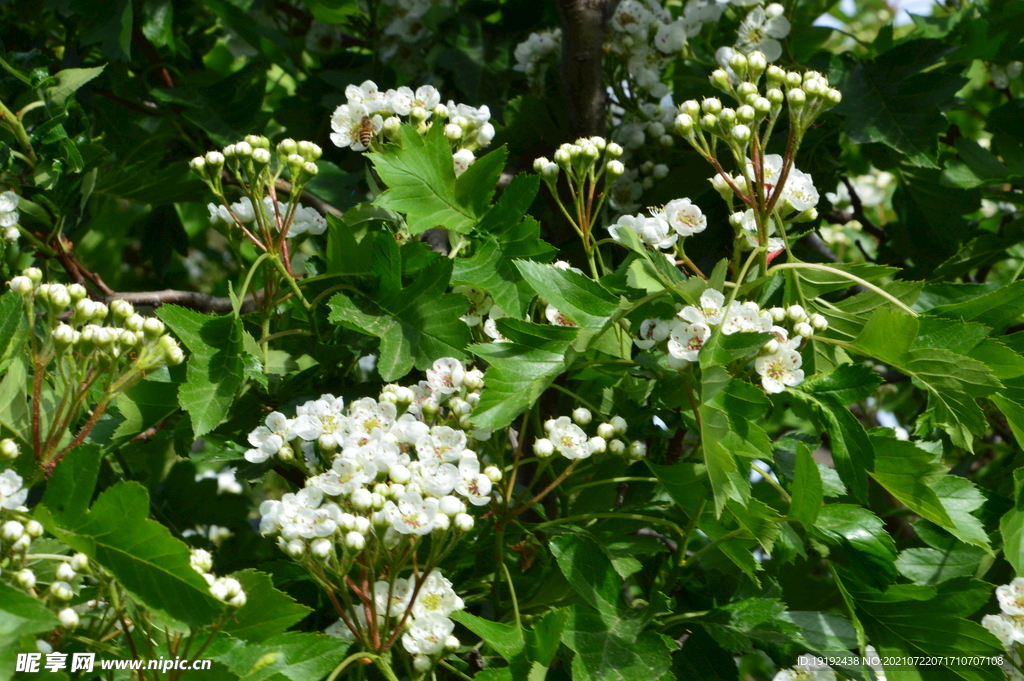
366, 131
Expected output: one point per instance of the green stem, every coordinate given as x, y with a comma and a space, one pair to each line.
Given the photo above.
511, 591
608, 481
701, 551
767, 475
866, 284
347, 661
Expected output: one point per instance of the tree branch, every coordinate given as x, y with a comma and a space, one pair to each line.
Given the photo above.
201, 302
584, 23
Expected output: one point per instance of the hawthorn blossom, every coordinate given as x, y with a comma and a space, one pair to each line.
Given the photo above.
269, 439
685, 217
436, 597
427, 635
412, 514
1011, 597
779, 370
12, 495
569, 439
347, 123
557, 317
761, 31
653, 231
473, 484
445, 377
652, 331
686, 340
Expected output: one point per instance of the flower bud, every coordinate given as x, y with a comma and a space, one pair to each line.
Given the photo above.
771, 347
355, 541
22, 286
257, 142
793, 79
321, 548
361, 499
198, 166
12, 531
286, 453
65, 572
809, 215
261, 158
59, 298
738, 63
493, 473
741, 133
77, 292
287, 147
797, 98
606, 430
637, 450
463, 522
422, 663
619, 424
756, 64
775, 96
543, 448
26, 578
684, 124
833, 97
660, 171
62, 591
34, 529
441, 111
22, 544
296, 548
9, 449
392, 127
617, 447
539, 163
762, 106
563, 158
451, 644
709, 122
153, 328
453, 132
796, 313
615, 169
68, 619
819, 322
34, 274
613, 150
597, 445
727, 118
804, 329
746, 113
582, 416
214, 162
690, 107
243, 150
720, 79
777, 313
122, 310
744, 90
712, 105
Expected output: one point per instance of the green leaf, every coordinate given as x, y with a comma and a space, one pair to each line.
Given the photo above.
908, 473
141, 553
293, 656
610, 645
420, 177
266, 612
506, 639
416, 325
215, 365
506, 236
109, 23
20, 615
1011, 526
995, 310
145, 404
890, 100
579, 297
815, 283
931, 566
475, 187
685, 483
807, 493
10, 319
928, 621
520, 370
67, 82
846, 384
70, 489
960, 498
722, 349
859, 529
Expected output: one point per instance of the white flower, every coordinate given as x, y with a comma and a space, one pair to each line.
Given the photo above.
462, 159
268, 440
1001, 75
711, 304
653, 231
685, 217
671, 38
427, 635
632, 17
779, 370
1011, 597
557, 317
761, 29
347, 122
686, 340
1002, 627
800, 190
473, 484
651, 332
569, 439
9, 215
442, 443
352, 474
479, 303
436, 597
806, 672
367, 95
427, 97
11, 494
412, 514
392, 600
446, 375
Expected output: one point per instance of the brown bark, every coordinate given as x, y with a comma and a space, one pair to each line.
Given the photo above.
584, 23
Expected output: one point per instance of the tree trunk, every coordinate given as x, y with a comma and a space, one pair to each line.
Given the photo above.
584, 23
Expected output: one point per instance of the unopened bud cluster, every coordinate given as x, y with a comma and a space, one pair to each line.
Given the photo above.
568, 436
586, 158
778, 362
227, 590
83, 329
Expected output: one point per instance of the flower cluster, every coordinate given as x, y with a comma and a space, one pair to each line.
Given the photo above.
662, 228
567, 436
9, 215
225, 589
535, 55
387, 473
109, 336
257, 171
777, 363
1008, 625
359, 123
